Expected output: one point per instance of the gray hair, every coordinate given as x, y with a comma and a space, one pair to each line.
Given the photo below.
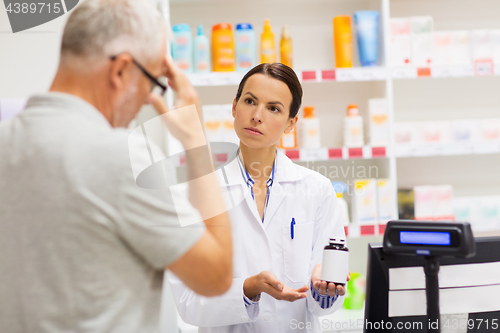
98, 29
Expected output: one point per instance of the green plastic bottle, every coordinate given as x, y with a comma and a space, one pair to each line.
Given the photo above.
356, 292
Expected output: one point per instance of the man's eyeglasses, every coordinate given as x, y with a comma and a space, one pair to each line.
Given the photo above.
158, 87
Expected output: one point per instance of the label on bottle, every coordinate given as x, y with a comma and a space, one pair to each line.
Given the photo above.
244, 39
335, 266
288, 140
268, 52
286, 59
244, 58
181, 51
202, 66
309, 134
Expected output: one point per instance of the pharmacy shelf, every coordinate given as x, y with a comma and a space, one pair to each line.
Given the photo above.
479, 69
320, 154
358, 74
455, 149
354, 230
338, 153
484, 229
215, 79
306, 76
375, 73
485, 68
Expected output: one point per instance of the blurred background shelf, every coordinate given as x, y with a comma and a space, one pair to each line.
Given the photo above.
456, 149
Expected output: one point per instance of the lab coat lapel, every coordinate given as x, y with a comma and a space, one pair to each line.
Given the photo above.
253, 208
275, 199
232, 177
286, 171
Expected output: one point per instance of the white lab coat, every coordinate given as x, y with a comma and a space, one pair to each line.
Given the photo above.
299, 193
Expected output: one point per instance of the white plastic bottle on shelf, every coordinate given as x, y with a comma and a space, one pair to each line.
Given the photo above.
340, 188
309, 137
353, 128
201, 52
378, 122
289, 140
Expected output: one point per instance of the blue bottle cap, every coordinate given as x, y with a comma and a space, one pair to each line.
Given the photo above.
181, 28
366, 12
340, 187
200, 30
244, 26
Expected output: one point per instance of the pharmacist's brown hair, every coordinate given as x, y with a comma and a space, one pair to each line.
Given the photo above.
282, 73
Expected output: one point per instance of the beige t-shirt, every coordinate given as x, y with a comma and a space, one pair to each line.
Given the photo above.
82, 246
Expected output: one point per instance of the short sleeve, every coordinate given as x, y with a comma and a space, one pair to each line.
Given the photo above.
149, 222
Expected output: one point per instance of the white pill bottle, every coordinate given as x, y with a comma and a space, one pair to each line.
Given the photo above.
335, 262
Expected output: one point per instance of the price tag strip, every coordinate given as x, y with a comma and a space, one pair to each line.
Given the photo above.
346, 74
442, 71
355, 152
480, 68
308, 76
424, 72
325, 154
496, 68
451, 149
484, 67
487, 148
328, 75
215, 79
320, 154
404, 72
361, 74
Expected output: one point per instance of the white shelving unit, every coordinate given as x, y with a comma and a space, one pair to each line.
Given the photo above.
330, 90
413, 93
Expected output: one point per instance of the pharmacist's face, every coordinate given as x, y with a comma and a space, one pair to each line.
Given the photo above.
261, 115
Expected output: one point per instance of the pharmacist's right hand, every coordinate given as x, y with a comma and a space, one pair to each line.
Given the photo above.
325, 287
268, 283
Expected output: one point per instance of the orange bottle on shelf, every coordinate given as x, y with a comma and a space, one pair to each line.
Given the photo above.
286, 48
223, 48
342, 40
267, 45
353, 128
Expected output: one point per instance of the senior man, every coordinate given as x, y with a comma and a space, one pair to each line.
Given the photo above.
82, 247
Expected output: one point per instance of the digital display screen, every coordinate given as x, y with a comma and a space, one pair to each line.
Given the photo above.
425, 238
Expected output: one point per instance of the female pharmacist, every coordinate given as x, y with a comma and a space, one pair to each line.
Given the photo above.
282, 216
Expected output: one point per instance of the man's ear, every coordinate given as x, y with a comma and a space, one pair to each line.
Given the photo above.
119, 71
233, 111
291, 124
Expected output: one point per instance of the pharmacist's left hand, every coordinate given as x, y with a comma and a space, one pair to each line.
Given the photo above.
324, 286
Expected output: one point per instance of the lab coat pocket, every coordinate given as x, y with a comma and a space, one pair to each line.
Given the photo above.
297, 251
